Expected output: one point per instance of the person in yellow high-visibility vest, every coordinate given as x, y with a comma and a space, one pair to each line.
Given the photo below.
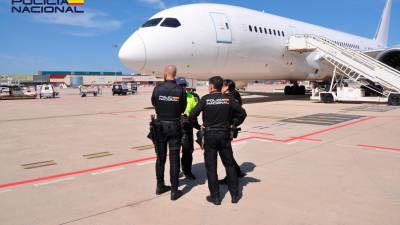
187, 141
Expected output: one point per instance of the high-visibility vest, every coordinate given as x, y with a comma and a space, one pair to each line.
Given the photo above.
191, 103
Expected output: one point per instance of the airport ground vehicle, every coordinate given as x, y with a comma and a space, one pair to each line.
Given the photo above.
17, 92
132, 87
29, 91
85, 90
120, 89
47, 91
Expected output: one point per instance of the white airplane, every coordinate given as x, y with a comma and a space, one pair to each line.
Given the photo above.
240, 44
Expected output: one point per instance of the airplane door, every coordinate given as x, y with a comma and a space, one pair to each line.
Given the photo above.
222, 28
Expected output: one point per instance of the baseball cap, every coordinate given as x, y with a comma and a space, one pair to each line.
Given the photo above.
181, 81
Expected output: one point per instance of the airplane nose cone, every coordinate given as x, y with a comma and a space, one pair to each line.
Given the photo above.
133, 53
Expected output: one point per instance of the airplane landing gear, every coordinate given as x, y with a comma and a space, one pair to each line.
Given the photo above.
295, 89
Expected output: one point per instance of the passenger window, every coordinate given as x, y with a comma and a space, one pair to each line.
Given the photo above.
279, 33
270, 31
152, 22
265, 31
283, 34
171, 22
261, 30
275, 32
250, 28
255, 29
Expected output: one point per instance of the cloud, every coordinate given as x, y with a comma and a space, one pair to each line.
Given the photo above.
93, 22
82, 33
158, 4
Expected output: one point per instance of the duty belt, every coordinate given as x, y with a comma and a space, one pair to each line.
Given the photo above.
207, 129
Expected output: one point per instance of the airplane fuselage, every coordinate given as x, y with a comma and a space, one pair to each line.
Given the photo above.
233, 42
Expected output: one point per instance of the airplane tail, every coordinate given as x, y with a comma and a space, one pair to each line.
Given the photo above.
382, 34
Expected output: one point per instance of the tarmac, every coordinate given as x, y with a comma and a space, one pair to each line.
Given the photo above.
74, 160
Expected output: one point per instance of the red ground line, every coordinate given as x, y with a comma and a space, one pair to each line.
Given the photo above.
18, 183
242, 139
379, 147
75, 172
309, 139
334, 128
152, 158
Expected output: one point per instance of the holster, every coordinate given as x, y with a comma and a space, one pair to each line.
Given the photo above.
200, 137
234, 132
155, 130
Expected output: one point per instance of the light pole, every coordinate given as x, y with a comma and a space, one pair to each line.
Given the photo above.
115, 46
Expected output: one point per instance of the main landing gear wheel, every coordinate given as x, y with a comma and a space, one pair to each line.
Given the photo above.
394, 99
295, 90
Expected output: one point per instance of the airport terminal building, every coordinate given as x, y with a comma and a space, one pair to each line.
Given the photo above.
77, 78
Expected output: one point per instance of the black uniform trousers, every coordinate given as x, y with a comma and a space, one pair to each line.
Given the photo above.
237, 167
174, 144
218, 142
187, 149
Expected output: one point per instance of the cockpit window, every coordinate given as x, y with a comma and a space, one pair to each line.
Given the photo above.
171, 22
152, 23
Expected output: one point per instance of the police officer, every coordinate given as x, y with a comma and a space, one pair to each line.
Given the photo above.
229, 88
169, 100
187, 140
219, 111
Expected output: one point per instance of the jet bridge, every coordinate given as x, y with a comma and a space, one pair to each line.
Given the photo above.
354, 73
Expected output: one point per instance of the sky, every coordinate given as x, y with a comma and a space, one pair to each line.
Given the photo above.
90, 41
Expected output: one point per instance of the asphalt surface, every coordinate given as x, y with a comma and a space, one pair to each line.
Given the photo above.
74, 160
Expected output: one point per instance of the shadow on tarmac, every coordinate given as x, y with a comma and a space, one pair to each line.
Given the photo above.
246, 167
271, 97
200, 172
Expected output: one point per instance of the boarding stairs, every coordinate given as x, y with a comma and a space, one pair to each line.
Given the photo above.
350, 63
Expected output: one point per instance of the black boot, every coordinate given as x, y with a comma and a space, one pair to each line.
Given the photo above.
175, 195
190, 176
242, 174
235, 199
162, 188
213, 200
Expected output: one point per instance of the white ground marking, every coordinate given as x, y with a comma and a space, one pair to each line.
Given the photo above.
54, 181
293, 142
5, 191
108, 171
147, 163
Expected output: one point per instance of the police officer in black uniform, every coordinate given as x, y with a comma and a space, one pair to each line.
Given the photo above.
169, 100
229, 88
219, 110
187, 127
